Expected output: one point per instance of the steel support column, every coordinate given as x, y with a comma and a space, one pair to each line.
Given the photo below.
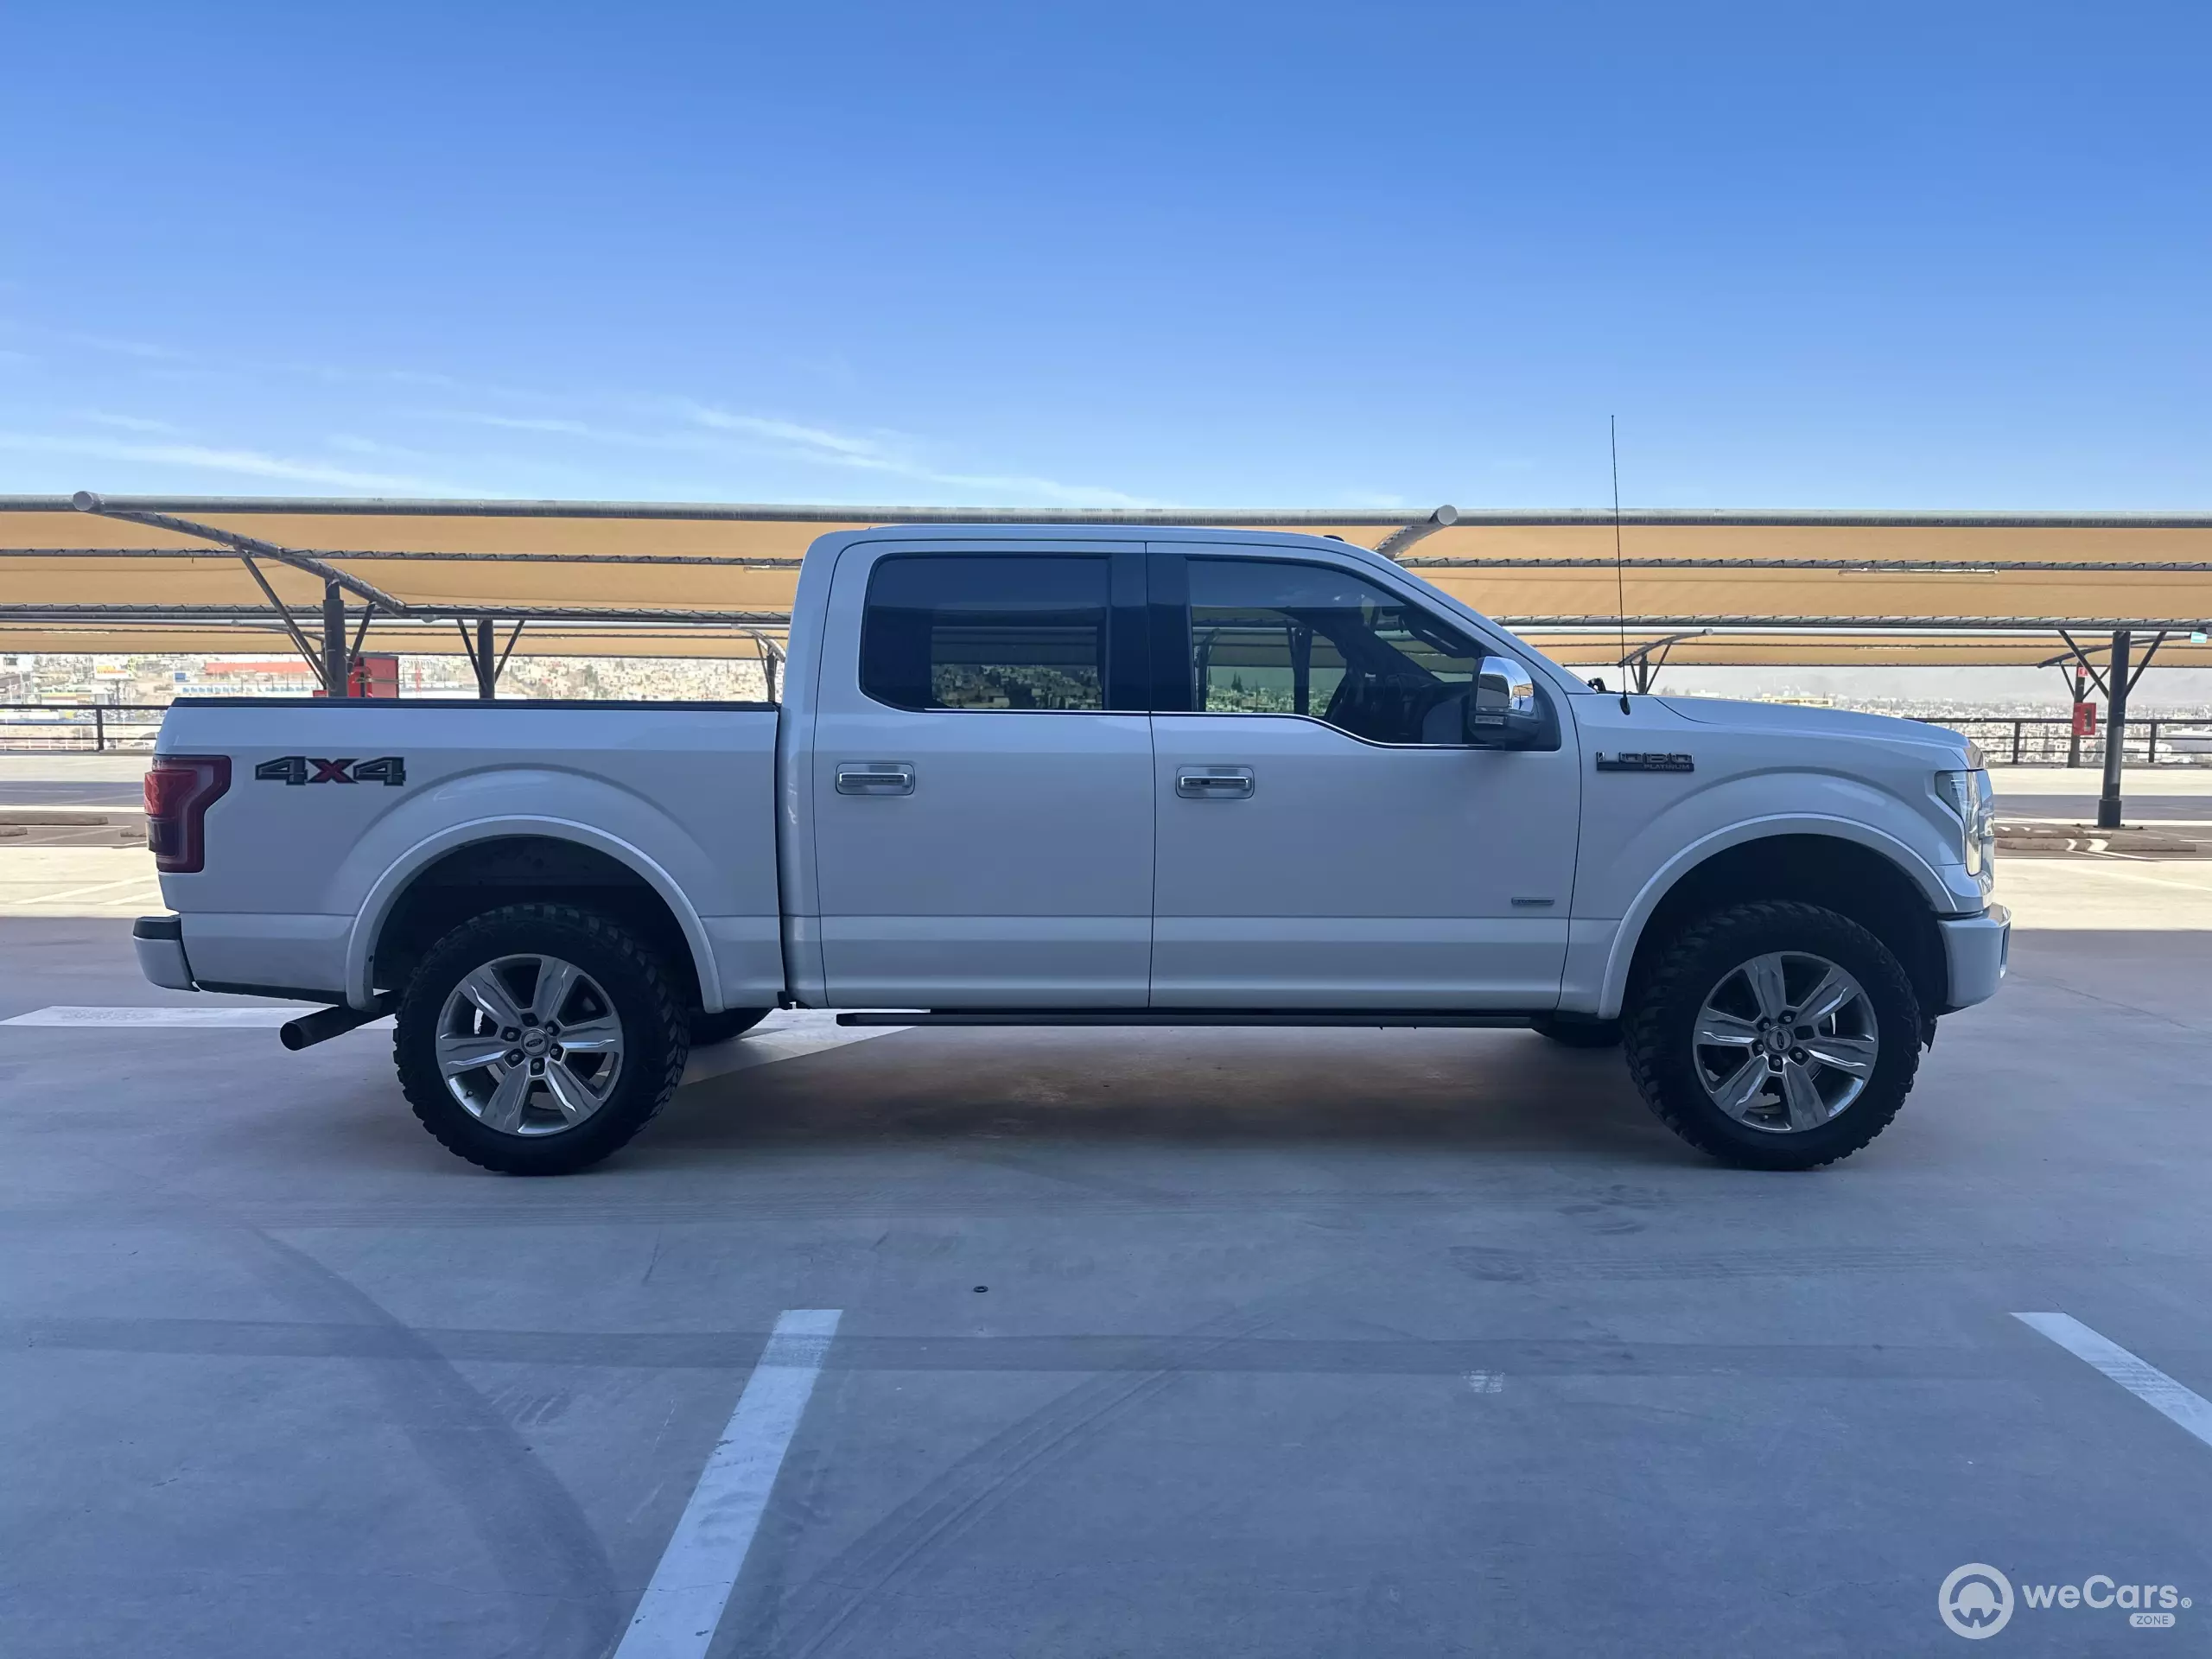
487, 676
336, 657
2115, 731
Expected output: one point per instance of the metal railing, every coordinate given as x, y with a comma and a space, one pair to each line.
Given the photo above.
2049, 740
80, 727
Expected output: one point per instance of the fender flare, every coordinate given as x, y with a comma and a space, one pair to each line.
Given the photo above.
1630, 931
360, 942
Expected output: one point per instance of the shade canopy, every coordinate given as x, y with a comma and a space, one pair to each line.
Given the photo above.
705, 581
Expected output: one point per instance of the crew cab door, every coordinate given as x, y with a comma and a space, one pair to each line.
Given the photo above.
981, 777
1327, 838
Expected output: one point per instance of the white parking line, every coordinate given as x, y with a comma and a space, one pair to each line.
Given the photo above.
787, 1034
63, 898
677, 1614
2186, 1408
268, 1015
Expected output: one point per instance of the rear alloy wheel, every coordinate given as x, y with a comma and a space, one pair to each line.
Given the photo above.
537, 1038
1777, 1035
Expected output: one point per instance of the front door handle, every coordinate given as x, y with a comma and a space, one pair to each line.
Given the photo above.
1214, 783
874, 777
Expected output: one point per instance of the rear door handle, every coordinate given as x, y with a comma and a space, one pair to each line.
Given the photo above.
874, 777
1214, 783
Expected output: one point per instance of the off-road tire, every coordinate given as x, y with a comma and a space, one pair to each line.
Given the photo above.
1663, 1006
1571, 1032
656, 1041
708, 1029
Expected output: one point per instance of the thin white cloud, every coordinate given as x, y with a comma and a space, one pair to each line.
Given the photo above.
127, 423
891, 453
812, 437
247, 463
115, 347
711, 431
348, 443
553, 424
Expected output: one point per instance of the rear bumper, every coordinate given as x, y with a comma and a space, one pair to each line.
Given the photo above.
1975, 949
159, 941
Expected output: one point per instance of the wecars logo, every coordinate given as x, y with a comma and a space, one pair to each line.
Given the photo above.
1977, 1600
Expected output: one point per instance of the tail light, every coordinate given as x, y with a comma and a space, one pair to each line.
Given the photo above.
179, 790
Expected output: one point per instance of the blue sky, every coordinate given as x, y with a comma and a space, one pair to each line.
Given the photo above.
1911, 256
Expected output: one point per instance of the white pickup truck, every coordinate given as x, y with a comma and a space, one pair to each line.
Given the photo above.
1100, 775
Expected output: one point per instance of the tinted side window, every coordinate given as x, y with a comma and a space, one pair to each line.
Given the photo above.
1270, 638
1025, 631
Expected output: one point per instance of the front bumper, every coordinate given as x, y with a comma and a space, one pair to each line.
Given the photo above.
1975, 949
159, 941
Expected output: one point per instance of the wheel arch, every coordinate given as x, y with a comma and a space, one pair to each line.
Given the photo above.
466, 869
1848, 867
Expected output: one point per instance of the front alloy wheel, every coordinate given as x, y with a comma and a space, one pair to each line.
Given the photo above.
1785, 1042
1776, 1034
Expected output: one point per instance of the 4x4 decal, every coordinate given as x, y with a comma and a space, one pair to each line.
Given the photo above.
390, 770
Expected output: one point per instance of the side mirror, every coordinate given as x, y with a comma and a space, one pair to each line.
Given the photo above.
1504, 712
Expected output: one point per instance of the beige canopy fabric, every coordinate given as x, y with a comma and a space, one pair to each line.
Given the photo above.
1758, 578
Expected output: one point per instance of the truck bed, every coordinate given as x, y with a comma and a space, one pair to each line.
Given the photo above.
334, 809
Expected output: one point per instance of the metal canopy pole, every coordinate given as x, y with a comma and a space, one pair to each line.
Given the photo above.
2115, 732
1405, 535
487, 682
337, 664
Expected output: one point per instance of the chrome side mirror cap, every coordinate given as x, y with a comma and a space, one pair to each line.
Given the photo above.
1503, 711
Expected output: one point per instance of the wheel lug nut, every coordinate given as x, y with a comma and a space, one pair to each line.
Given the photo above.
557, 1050
509, 1034
1798, 1055
538, 1068
514, 1057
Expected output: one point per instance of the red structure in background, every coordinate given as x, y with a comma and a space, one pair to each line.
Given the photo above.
376, 674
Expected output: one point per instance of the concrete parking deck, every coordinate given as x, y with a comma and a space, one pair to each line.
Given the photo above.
1174, 1343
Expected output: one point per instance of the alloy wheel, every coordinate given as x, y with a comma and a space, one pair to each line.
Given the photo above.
1785, 1041
528, 1044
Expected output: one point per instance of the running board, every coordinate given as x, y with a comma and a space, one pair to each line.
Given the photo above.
1182, 1017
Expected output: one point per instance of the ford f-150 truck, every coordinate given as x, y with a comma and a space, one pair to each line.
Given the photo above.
1100, 775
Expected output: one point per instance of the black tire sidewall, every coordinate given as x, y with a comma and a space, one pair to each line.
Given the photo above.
708, 1029
1577, 1033
654, 1041
1658, 1028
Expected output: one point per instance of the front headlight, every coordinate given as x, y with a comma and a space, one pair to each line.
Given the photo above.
1969, 795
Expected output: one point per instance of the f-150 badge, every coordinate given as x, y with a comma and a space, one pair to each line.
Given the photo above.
390, 770
1645, 761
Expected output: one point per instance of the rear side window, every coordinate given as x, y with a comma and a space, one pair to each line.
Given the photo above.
991, 631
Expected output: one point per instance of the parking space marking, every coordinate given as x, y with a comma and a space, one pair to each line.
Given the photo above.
167, 1018
2184, 1407
67, 894
677, 1614
787, 1034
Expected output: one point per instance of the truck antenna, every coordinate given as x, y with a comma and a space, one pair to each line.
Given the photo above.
1620, 582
